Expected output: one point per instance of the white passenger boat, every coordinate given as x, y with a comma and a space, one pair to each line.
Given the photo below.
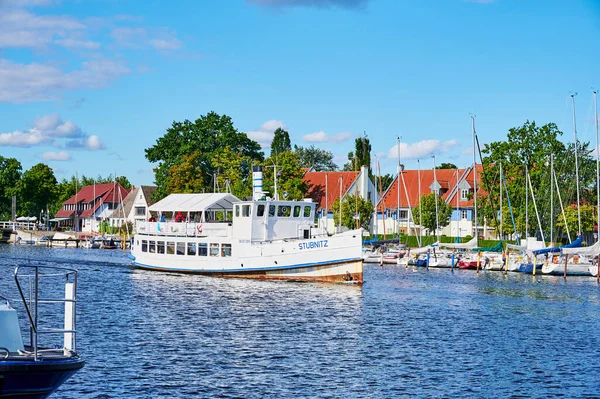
263, 238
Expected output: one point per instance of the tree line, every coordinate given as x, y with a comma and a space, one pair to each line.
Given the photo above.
37, 189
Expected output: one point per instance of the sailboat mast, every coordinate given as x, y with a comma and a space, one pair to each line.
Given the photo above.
398, 207
420, 210
597, 159
551, 199
526, 203
474, 178
576, 166
501, 219
457, 208
437, 221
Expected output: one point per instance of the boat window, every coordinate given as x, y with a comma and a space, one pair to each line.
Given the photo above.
237, 211
170, 248
245, 211
307, 211
202, 249
297, 211
181, 248
160, 247
191, 248
214, 249
260, 210
152, 246
225, 249
271, 211
283, 210
144, 246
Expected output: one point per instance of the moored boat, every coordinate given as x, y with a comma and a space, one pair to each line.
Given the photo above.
33, 371
263, 238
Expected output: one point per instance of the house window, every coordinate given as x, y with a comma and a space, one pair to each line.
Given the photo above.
403, 214
140, 210
464, 214
464, 194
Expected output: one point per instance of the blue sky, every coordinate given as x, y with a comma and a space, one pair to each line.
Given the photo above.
86, 86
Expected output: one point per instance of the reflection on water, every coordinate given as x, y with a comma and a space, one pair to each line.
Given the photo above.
405, 333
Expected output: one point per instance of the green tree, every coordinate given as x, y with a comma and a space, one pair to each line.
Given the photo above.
312, 157
386, 180
230, 166
362, 152
427, 209
289, 176
281, 142
10, 174
446, 165
588, 219
365, 212
207, 135
529, 147
36, 189
186, 176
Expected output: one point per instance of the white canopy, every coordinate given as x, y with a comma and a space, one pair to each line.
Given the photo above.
26, 219
593, 250
423, 250
195, 202
467, 245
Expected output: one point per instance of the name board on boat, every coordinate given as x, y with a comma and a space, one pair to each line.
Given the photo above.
313, 244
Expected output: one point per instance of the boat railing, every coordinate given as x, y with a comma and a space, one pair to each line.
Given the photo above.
183, 229
33, 299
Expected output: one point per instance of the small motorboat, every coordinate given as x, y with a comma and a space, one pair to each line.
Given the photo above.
35, 371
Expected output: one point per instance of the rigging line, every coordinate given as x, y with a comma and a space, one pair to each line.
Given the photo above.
485, 180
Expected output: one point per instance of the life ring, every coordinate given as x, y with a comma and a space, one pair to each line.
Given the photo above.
199, 228
576, 259
555, 259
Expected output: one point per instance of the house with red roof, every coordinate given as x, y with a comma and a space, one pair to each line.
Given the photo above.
89, 206
325, 187
455, 187
134, 207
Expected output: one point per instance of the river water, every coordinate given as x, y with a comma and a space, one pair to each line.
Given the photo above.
405, 333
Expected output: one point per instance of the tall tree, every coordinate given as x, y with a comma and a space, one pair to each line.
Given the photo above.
10, 174
230, 168
361, 156
428, 211
289, 176
186, 176
206, 135
312, 157
36, 189
365, 212
281, 142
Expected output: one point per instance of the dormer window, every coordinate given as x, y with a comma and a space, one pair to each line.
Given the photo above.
464, 194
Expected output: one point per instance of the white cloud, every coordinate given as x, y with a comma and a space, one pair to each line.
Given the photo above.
322, 137
136, 37
164, 44
421, 149
56, 156
74, 43
20, 83
49, 130
264, 134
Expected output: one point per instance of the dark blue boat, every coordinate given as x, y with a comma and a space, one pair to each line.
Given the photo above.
528, 267
32, 371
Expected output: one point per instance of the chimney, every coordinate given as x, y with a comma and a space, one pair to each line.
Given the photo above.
257, 185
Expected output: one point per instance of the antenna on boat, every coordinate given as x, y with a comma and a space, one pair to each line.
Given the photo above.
597, 160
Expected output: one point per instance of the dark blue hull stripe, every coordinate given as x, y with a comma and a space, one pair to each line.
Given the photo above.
250, 269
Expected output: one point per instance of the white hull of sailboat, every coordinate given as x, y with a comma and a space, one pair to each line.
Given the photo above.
573, 269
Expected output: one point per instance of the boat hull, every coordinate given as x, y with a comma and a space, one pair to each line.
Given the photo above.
35, 379
573, 269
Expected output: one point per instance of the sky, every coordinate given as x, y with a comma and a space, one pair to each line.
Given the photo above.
87, 85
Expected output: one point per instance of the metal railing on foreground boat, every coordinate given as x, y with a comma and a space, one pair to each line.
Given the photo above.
31, 305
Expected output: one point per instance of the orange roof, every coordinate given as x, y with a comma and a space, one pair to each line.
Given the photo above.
447, 179
321, 184
469, 179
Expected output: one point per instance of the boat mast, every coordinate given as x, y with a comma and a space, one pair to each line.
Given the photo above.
457, 208
420, 210
501, 219
576, 166
437, 221
326, 202
356, 194
341, 198
526, 203
597, 160
474, 178
551, 200
398, 207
